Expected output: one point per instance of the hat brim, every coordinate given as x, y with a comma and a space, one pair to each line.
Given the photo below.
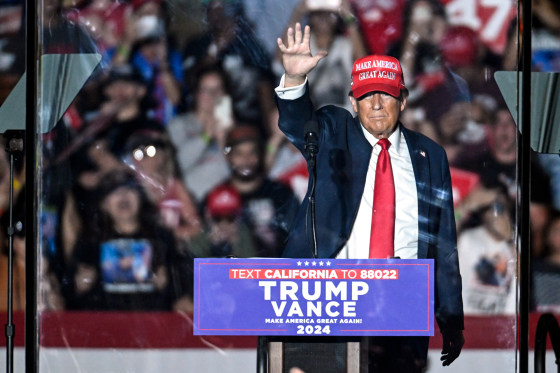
376, 87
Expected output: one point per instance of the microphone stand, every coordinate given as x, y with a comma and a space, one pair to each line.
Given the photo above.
14, 146
311, 150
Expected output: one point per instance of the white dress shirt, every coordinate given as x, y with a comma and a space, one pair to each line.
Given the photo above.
406, 203
406, 197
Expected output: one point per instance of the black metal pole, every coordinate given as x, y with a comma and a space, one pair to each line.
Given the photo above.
313, 216
524, 175
31, 107
310, 130
10, 328
262, 354
14, 146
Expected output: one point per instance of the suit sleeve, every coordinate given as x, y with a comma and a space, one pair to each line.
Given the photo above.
449, 303
293, 114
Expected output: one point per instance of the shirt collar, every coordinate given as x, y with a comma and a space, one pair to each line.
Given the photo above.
394, 139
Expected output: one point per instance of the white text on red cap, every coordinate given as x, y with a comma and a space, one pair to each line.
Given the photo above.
377, 63
373, 75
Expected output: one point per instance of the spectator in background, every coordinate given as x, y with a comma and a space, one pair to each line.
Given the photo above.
333, 29
105, 22
487, 258
433, 86
464, 55
546, 270
97, 150
145, 46
415, 119
456, 134
268, 206
150, 155
199, 135
268, 18
285, 163
124, 110
380, 22
546, 35
497, 168
424, 25
91, 164
231, 44
225, 233
50, 297
126, 266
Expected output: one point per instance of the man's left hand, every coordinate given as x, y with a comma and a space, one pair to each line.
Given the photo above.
453, 342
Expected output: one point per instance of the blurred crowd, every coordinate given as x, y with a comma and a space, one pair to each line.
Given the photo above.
171, 150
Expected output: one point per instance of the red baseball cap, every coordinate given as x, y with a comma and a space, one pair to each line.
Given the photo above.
377, 73
242, 133
224, 200
459, 46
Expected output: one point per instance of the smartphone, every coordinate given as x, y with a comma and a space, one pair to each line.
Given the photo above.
223, 112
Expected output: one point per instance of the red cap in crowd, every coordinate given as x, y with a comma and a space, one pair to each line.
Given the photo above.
138, 3
377, 73
242, 133
459, 46
224, 201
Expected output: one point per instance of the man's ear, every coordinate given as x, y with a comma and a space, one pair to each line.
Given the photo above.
403, 104
354, 103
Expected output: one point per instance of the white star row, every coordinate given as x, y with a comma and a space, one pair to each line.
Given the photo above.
314, 263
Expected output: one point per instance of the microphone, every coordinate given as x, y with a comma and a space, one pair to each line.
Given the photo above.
310, 130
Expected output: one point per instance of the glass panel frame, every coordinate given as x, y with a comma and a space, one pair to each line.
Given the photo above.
99, 340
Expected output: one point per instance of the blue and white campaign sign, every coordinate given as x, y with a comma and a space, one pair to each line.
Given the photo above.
342, 297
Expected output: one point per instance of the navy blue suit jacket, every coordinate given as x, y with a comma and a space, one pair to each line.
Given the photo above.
342, 164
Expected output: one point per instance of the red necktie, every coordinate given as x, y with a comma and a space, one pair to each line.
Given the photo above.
383, 215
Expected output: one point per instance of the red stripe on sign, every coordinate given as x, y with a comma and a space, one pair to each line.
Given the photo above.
174, 330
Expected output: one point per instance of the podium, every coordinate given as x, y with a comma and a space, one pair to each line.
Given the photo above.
320, 354
315, 314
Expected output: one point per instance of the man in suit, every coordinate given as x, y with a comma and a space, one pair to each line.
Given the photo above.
349, 148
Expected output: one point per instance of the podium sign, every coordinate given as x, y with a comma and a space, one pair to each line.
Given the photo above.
313, 297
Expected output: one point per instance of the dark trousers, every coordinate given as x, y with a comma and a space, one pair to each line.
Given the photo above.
378, 354
397, 354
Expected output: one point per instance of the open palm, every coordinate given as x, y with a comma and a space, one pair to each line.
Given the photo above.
296, 55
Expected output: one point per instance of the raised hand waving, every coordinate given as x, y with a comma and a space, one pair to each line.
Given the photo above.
296, 55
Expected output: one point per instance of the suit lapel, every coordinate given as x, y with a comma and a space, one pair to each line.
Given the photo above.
360, 149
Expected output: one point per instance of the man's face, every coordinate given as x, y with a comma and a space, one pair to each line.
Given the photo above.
378, 112
124, 91
244, 159
505, 132
209, 92
122, 204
